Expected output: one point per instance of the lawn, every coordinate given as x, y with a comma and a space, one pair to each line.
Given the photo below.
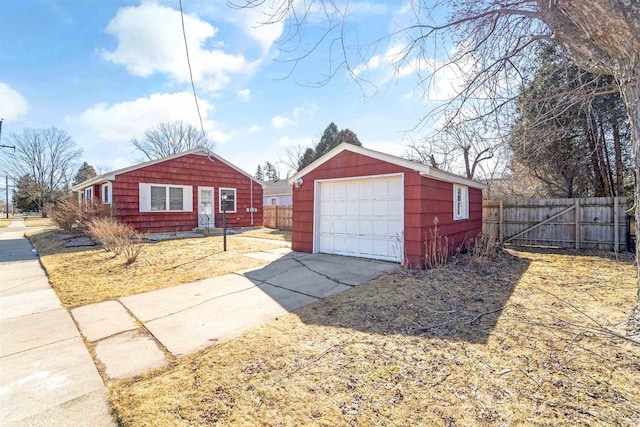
88, 275
4, 221
267, 233
529, 338
36, 221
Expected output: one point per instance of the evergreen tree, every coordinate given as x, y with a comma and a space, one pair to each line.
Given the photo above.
329, 140
85, 172
259, 174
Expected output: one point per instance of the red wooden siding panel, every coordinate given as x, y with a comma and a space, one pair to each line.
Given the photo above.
193, 170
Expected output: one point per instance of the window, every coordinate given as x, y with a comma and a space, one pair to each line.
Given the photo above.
460, 202
166, 198
106, 194
88, 193
230, 203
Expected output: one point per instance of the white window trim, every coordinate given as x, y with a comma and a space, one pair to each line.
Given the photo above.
88, 193
465, 202
144, 197
107, 200
235, 199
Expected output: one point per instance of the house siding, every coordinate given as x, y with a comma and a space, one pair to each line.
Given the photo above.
425, 199
193, 170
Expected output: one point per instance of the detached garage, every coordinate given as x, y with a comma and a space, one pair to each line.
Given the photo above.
359, 202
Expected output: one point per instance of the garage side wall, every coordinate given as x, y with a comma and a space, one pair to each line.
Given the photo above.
193, 170
437, 201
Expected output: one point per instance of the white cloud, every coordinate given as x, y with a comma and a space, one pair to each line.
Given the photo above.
150, 40
252, 21
280, 122
12, 103
255, 128
245, 94
121, 122
304, 141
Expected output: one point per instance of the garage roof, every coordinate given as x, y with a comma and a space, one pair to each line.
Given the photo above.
421, 168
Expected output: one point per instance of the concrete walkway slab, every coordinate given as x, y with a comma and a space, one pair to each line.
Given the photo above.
301, 279
35, 330
28, 303
103, 319
348, 270
37, 380
129, 354
223, 318
163, 302
264, 256
88, 410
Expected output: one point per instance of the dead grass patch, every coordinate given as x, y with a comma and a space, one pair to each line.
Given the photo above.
4, 221
83, 276
268, 233
529, 338
34, 221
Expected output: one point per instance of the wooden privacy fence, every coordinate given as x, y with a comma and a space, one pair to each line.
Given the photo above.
278, 217
587, 223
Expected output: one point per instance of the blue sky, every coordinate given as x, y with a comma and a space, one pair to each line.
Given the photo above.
105, 71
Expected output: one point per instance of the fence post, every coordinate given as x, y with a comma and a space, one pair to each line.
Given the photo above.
616, 226
500, 227
577, 221
277, 228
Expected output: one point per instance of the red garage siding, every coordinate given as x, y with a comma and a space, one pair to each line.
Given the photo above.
195, 170
424, 199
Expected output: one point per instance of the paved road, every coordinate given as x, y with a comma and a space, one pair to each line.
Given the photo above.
47, 377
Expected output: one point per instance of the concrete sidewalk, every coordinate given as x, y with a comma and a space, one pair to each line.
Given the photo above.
47, 376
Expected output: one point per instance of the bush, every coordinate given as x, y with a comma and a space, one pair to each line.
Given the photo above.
116, 237
69, 216
437, 247
484, 246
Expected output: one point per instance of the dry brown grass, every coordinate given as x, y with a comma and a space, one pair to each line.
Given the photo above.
83, 276
36, 221
4, 221
268, 233
528, 338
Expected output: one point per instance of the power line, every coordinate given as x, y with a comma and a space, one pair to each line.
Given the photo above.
193, 86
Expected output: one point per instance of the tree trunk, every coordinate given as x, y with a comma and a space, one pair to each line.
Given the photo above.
630, 90
591, 137
618, 153
606, 160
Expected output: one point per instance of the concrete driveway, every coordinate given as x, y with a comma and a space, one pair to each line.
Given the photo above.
145, 331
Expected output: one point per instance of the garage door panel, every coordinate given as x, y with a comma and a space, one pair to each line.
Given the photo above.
361, 217
379, 208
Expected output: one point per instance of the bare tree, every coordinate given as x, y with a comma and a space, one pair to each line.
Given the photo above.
494, 41
459, 143
170, 138
48, 157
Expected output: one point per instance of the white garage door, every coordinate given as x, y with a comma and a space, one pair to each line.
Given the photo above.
361, 217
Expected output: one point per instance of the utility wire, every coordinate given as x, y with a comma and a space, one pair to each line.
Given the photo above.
193, 86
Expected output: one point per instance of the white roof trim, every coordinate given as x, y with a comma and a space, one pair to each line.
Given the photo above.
201, 151
424, 170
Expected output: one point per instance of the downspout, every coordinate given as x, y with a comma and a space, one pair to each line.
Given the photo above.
251, 208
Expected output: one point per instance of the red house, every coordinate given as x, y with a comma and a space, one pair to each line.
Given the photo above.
179, 193
359, 202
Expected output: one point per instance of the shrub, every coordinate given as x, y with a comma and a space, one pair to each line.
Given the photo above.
484, 246
116, 237
69, 216
437, 247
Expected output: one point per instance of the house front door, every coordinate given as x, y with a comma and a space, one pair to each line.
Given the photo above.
205, 207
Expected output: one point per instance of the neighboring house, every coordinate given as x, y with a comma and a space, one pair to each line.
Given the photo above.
277, 193
359, 202
178, 193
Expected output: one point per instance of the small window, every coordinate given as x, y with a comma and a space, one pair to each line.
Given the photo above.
106, 194
175, 198
230, 202
88, 193
158, 198
460, 202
